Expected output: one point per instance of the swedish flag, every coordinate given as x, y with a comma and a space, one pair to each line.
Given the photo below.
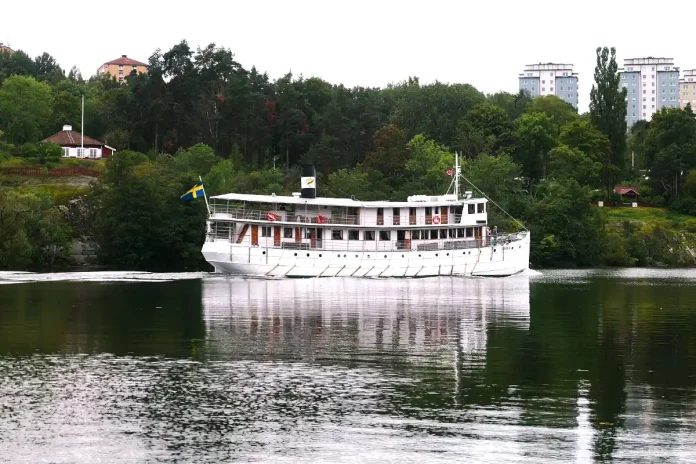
196, 192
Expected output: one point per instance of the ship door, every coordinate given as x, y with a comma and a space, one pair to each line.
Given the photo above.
276, 236
255, 235
477, 234
315, 235
400, 239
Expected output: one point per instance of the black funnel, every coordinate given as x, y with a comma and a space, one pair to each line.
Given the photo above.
308, 182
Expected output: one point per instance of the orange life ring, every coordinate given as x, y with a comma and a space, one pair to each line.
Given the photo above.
436, 219
321, 219
271, 216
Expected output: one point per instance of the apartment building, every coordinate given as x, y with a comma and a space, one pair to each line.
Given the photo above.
122, 67
687, 89
550, 79
651, 84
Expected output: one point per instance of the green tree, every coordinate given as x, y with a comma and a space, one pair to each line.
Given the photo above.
670, 149
535, 139
556, 108
25, 109
608, 106
485, 129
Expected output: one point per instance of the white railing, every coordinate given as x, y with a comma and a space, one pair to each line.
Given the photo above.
321, 244
225, 212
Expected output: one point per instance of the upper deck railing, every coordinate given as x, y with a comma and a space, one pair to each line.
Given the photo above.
221, 211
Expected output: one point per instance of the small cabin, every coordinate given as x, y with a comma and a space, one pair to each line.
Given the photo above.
75, 145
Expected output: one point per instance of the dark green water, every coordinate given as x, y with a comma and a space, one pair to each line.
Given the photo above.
575, 366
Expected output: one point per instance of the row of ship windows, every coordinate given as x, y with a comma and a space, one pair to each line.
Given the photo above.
384, 235
309, 255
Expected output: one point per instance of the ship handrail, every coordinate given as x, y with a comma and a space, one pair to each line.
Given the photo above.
379, 246
294, 218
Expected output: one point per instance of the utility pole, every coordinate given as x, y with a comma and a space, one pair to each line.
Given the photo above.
82, 128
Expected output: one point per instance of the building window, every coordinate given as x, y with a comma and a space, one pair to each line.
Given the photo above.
120, 67
287, 232
369, 235
385, 235
551, 89
80, 152
337, 234
66, 151
265, 231
643, 106
543, 89
543, 82
353, 235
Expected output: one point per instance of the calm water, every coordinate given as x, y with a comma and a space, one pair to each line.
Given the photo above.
575, 366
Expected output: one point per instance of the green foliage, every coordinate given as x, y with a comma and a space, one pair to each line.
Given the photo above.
568, 227
197, 160
555, 108
139, 221
608, 105
670, 149
484, 129
33, 232
535, 139
25, 109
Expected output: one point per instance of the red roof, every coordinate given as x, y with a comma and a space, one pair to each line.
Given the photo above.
125, 61
72, 139
5, 48
625, 189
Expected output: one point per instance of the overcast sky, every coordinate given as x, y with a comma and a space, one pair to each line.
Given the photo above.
367, 43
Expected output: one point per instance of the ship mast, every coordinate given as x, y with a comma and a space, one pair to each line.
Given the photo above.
456, 175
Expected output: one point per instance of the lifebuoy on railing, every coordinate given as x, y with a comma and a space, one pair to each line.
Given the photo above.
436, 219
271, 216
321, 219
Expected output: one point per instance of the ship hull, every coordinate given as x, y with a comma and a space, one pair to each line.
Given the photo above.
499, 260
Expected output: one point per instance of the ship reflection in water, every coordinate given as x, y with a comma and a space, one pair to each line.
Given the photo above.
572, 366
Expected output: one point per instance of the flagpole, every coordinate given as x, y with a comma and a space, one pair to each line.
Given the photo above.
205, 196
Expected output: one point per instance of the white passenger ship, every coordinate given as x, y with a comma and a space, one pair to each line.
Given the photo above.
307, 236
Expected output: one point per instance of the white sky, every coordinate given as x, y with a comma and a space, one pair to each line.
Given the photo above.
369, 43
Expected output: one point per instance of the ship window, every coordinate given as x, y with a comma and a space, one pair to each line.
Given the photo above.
380, 211
460, 233
453, 233
481, 207
412, 211
469, 232
433, 234
415, 235
443, 233
472, 208
437, 210
428, 211
265, 231
353, 235
396, 212
308, 233
385, 235
369, 235
287, 232
337, 234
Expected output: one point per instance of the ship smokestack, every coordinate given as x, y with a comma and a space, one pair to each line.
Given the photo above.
308, 182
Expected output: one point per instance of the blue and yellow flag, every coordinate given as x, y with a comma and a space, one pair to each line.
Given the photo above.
196, 192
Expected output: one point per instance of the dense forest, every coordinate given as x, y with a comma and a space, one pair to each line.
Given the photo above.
201, 113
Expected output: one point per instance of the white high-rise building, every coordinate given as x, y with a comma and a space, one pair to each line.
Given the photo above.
550, 79
651, 84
